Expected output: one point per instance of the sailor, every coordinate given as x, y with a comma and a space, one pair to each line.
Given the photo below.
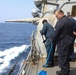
48, 32
72, 57
63, 38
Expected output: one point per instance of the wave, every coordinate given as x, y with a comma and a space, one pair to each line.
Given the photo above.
8, 54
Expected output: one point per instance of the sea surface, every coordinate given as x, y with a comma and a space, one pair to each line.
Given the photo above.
14, 45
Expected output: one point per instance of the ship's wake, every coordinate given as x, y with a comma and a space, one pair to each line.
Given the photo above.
7, 55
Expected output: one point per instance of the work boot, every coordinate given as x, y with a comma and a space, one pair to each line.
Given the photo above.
72, 59
58, 73
48, 65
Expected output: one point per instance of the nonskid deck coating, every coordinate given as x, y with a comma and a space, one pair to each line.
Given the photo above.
52, 70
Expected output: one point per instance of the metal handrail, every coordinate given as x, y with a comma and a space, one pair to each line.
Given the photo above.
26, 67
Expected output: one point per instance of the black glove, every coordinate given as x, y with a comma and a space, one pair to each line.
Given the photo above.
44, 41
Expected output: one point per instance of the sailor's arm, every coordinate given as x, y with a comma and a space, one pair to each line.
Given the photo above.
44, 30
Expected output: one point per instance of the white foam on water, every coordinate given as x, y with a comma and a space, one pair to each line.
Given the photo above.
9, 54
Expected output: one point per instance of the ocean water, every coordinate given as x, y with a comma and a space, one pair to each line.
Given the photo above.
14, 45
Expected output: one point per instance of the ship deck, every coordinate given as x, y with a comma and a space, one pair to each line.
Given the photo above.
52, 70
36, 68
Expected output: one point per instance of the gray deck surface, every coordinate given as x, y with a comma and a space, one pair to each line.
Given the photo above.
52, 71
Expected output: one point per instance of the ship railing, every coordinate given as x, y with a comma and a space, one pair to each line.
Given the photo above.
32, 58
36, 51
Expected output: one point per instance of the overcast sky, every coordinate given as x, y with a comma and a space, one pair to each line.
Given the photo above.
15, 9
